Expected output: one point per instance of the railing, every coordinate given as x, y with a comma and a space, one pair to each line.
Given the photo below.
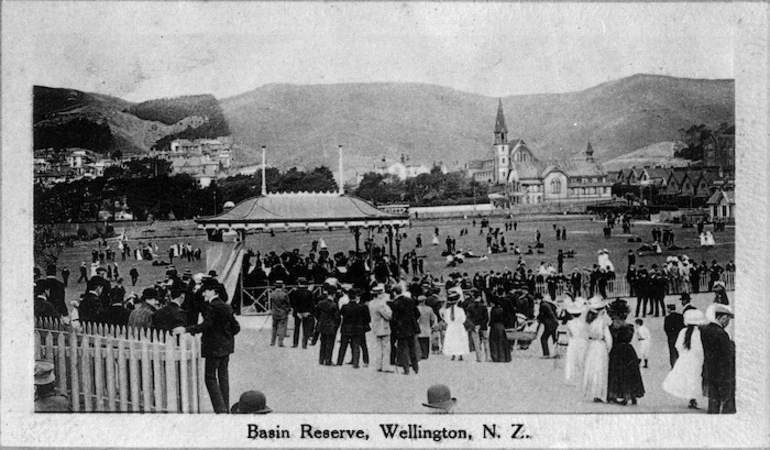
260, 298
109, 369
617, 287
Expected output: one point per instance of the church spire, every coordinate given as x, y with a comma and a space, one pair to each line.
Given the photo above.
589, 152
501, 131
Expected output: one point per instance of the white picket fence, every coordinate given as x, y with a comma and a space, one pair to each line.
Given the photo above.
122, 369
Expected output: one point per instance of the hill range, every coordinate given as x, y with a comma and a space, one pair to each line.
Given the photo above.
303, 125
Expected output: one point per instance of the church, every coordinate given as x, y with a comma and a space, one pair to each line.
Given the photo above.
527, 180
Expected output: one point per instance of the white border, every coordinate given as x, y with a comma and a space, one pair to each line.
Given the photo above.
749, 427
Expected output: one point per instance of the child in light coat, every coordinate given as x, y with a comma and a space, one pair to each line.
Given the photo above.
642, 336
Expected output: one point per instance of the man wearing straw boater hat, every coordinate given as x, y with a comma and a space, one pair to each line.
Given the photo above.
440, 398
219, 328
381, 314
47, 398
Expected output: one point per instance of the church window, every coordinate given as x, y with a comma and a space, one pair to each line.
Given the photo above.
556, 186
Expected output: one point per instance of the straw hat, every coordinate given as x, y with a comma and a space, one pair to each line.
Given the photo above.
44, 372
595, 303
694, 317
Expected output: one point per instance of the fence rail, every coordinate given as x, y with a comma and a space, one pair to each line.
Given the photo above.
122, 369
260, 303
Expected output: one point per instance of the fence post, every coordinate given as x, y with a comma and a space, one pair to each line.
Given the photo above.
171, 387
111, 382
123, 375
61, 367
133, 378
196, 379
183, 361
156, 372
85, 373
98, 373
73, 348
146, 375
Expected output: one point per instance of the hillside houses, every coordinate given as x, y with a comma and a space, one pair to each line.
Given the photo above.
692, 184
204, 159
51, 167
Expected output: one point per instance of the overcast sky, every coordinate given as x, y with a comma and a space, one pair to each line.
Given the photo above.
146, 50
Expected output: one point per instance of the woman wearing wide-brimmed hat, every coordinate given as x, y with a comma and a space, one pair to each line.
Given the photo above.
455, 338
685, 380
624, 381
597, 354
577, 335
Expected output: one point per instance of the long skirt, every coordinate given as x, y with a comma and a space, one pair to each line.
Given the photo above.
595, 370
499, 346
624, 379
574, 360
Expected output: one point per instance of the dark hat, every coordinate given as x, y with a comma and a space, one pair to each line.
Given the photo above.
213, 273
149, 293
209, 284
51, 269
44, 372
93, 283
176, 292
439, 396
251, 402
685, 296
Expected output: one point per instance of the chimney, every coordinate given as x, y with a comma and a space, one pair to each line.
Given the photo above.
264, 184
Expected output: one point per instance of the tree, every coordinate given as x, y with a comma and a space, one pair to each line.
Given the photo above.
47, 245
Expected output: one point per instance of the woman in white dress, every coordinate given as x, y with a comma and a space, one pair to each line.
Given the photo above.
434, 241
597, 362
455, 337
577, 333
684, 380
709, 239
703, 239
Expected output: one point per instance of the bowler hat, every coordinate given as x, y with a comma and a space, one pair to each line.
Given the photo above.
685, 296
213, 273
251, 402
44, 372
209, 284
149, 293
439, 396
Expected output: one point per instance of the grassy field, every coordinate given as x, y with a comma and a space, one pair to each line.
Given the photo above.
584, 236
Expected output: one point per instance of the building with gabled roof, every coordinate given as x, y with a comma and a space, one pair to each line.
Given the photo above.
721, 205
529, 180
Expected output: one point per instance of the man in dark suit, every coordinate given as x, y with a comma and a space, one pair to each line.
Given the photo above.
101, 279
354, 319
657, 291
90, 307
672, 324
219, 328
642, 290
328, 321
405, 315
479, 316
301, 301
685, 299
719, 362
55, 290
547, 317
576, 281
116, 314
172, 315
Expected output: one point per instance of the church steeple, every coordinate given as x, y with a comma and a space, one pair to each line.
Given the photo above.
501, 131
589, 152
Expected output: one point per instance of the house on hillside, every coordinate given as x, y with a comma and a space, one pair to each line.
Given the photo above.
722, 206
656, 176
404, 171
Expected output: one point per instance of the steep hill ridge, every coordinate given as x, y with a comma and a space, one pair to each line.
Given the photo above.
301, 125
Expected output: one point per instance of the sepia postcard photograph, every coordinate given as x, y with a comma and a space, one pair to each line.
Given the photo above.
319, 224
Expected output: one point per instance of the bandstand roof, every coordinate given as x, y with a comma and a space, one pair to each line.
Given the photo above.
301, 210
